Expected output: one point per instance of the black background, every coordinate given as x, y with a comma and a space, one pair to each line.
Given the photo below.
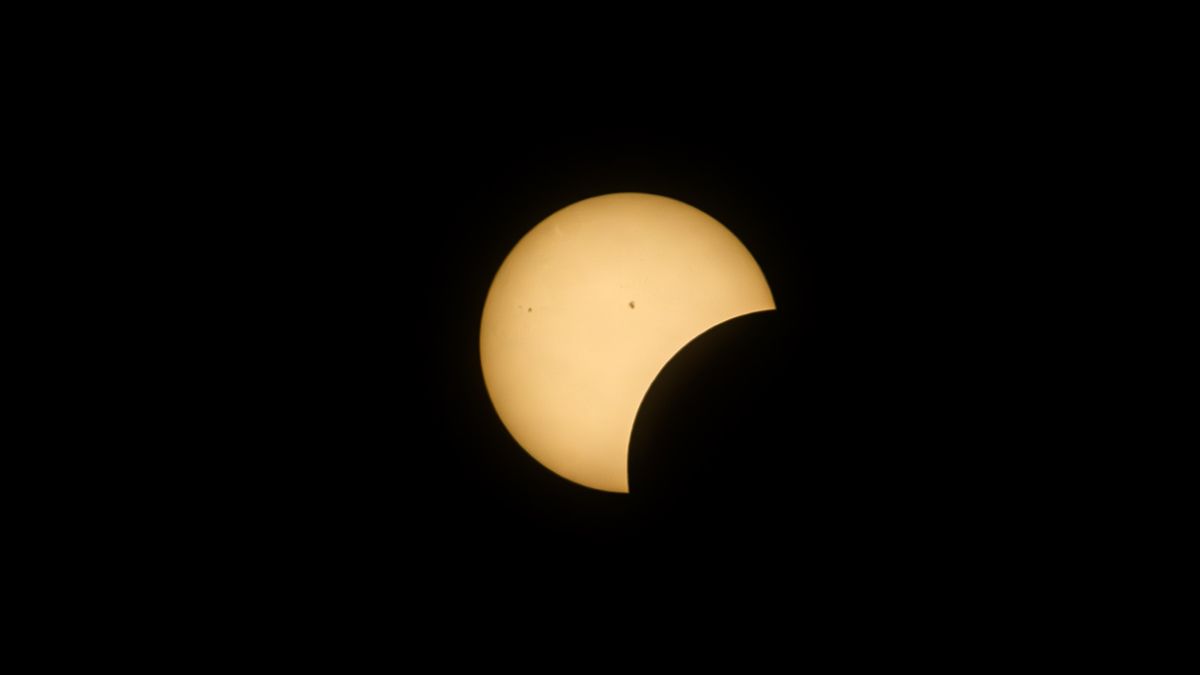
288, 225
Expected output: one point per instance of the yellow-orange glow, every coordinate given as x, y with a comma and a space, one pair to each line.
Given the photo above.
588, 308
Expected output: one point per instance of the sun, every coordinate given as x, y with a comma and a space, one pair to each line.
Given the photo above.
588, 308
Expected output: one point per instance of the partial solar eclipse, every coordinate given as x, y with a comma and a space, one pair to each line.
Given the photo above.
587, 309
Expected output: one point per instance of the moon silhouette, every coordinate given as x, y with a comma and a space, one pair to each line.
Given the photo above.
586, 310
